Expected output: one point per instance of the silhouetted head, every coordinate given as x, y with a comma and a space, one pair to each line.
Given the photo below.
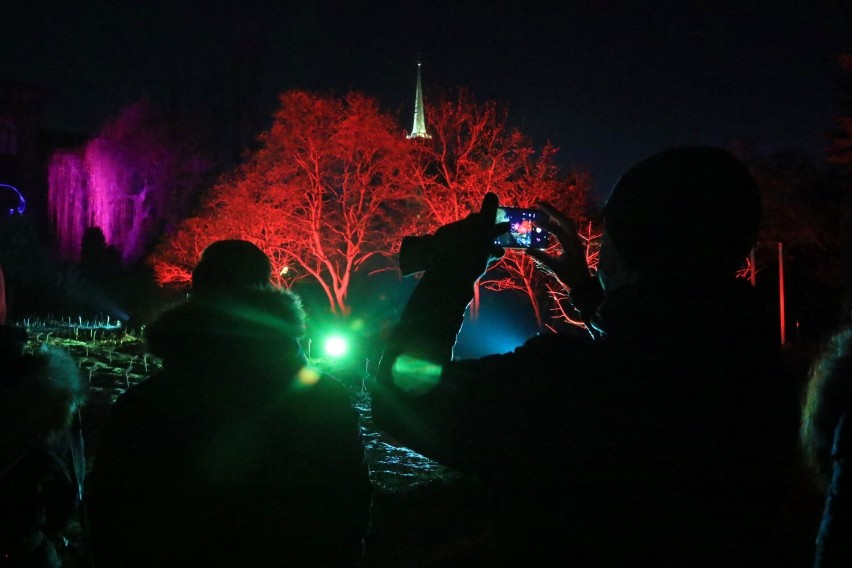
686, 208
40, 393
229, 266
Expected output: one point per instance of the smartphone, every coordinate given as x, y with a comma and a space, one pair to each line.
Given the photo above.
526, 228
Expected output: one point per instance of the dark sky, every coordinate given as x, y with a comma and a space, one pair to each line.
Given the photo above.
609, 82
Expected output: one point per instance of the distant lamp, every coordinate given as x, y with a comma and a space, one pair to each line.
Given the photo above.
336, 346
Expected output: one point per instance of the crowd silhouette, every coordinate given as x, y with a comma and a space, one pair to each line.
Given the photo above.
668, 433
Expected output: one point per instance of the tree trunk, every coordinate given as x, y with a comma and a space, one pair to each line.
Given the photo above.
474, 305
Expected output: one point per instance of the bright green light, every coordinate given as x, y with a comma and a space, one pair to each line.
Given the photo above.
336, 346
415, 375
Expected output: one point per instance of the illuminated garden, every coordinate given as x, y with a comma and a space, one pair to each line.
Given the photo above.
328, 192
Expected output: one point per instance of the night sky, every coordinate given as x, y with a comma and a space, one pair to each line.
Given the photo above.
608, 82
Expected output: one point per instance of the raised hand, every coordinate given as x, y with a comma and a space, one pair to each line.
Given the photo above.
468, 245
570, 266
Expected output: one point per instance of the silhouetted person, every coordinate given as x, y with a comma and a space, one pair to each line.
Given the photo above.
665, 440
827, 440
93, 247
237, 454
42, 465
96, 256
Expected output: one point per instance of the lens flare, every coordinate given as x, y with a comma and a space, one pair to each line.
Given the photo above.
415, 375
307, 377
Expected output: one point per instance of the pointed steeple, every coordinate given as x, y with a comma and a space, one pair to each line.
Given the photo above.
419, 128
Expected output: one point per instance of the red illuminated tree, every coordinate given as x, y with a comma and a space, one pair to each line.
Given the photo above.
561, 307
539, 181
473, 150
334, 186
323, 196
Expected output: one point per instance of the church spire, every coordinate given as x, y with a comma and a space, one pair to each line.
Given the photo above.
419, 128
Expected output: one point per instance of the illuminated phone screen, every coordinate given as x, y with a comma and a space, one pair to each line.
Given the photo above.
523, 232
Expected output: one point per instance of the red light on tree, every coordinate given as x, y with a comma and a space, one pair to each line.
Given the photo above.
335, 186
539, 181
473, 150
324, 195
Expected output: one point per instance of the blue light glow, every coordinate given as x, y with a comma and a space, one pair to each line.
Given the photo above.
22, 203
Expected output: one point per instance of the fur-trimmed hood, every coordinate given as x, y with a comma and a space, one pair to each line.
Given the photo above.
39, 395
260, 325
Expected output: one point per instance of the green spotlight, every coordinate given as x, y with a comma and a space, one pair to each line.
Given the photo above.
336, 346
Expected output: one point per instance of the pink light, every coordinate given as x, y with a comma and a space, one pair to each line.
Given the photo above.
67, 202
125, 182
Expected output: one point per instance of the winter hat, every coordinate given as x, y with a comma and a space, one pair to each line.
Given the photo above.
230, 265
692, 207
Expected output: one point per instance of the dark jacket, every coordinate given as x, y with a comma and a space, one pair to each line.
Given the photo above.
42, 464
664, 443
235, 455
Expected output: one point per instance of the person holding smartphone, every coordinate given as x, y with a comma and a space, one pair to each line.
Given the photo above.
663, 437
